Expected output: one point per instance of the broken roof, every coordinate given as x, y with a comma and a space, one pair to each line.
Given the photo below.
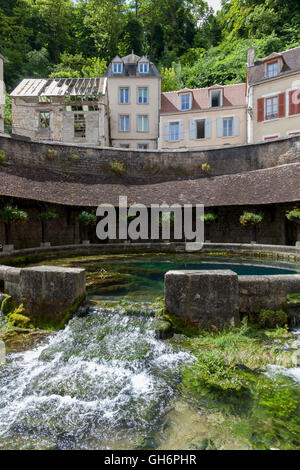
60, 87
233, 95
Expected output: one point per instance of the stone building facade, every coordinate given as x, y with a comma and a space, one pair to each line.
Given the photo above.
203, 117
273, 95
134, 90
62, 110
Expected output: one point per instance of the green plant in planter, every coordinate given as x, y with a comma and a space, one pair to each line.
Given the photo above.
250, 219
205, 167
2, 157
86, 220
45, 217
118, 168
11, 215
294, 216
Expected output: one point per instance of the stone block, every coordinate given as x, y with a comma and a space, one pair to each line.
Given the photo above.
204, 298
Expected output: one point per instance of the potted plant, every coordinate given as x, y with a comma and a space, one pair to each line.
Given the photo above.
294, 216
11, 215
209, 218
45, 217
86, 220
250, 219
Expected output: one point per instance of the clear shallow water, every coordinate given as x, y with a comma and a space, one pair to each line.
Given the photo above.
106, 382
103, 382
145, 278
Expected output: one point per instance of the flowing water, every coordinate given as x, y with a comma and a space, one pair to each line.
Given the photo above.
106, 381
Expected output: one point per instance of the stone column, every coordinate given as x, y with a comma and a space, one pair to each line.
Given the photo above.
203, 298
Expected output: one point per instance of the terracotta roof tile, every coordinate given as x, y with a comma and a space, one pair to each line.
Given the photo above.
234, 95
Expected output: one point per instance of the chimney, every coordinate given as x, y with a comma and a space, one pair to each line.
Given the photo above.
251, 55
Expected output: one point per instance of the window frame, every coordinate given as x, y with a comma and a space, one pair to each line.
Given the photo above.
220, 92
204, 122
143, 65
138, 118
272, 64
117, 65
47, 127
171, 124
271, 116
121, 88
81, 120
184, 95
142, 88
224, 120
120, 120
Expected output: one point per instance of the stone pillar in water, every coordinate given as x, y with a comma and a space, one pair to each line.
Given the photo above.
203, 298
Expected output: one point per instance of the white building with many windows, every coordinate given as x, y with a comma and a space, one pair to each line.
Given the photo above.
133, 91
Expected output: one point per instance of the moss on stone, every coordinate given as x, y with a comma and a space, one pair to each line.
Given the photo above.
8, 305
272, 319
18, 319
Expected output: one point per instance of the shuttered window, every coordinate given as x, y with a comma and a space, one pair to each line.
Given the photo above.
294, 102
272, 108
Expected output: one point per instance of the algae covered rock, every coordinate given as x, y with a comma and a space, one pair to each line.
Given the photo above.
18, 318
272, 319
163, 329
8, 305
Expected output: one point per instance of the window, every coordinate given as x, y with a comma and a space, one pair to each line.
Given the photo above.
124, 95
77, 108
216, 98
142, 95
93, 107
272, 108
174, 131
45, 120
44, 99
142, 124
144, 67
124, 123
142, 146
79, 125
227, 127
185, 101
272, 69
117, 67
200, 129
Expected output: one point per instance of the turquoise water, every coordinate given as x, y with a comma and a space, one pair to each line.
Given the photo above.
143, 280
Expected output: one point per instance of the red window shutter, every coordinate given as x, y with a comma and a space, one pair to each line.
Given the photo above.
294, 102
281, 105
260, 109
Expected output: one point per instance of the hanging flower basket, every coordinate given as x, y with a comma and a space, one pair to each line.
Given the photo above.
249, 218
293, 215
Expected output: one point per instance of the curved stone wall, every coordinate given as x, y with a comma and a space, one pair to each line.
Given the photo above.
151, 165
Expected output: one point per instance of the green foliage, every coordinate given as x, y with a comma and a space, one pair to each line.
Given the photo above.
18, 318
210, 218
271, 319
293, 214
118, 168
2, 157
52, 154
249, 218
8, 305
48, 215
87, 219
205, 167
13, 214
171, 78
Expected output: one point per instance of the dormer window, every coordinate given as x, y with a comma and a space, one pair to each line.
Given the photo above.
272, 69
185, 101
117, 67
216, 98
144, 67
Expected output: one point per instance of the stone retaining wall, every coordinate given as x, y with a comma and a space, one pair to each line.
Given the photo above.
151, 165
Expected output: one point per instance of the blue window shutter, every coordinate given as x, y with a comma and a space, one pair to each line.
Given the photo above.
208, 128
219, 127
181, 130
193, 130
166, 131
236, 126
